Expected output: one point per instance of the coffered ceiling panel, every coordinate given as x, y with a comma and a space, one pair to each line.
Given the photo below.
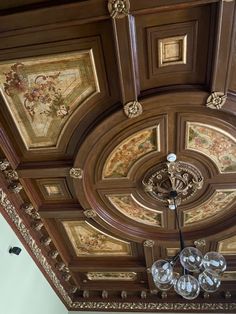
42, 94
94, 95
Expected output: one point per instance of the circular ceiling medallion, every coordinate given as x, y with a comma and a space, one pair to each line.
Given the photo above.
180, 176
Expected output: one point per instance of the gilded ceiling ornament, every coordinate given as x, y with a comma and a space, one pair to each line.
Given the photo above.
104, 294
4, 164
17, 221
179, 176
11, 175
133, 109
90, 213
164, 295
85, 294
45, 240
206, 295
143, 294
53, 254
227, 295
66, 276
123, 294
200, 243
118, 8
73, 289
30, 210
76, 173
15, 187
153, 306
148, 243
60, 266
216, 100
37, 225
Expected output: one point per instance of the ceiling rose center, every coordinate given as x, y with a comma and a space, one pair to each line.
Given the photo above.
177, 176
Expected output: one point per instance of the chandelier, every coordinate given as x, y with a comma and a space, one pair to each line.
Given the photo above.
172, 184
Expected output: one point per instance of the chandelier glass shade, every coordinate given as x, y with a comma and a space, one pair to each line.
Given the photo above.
196, 271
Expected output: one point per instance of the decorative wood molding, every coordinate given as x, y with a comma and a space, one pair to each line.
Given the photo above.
118, 8
25, 233
216, 100
153, 306
133, 109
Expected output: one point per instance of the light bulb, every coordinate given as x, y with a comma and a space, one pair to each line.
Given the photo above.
162, 271
188, 287
214, 261
209, 281
191, 259
168, 285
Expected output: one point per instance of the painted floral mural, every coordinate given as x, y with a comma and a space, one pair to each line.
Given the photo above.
129, 151
87, 240
128, 206
214, 143
43, 96
219, 201
42, 93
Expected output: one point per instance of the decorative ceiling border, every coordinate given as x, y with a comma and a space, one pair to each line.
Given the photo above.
18, 222
152, 306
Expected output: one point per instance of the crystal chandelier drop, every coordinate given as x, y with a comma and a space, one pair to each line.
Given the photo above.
197, 271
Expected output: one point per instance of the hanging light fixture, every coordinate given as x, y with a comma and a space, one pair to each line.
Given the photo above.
171, 184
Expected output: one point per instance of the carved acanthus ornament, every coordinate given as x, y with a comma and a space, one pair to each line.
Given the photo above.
133, 109
15, 187
11, 175
118, 8
143, 294
37, 225
76, 173
73, 289
216, 100
179, 176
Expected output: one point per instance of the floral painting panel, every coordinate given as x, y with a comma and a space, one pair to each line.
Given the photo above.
219, 201
89, 241
131, 208
129, 151
214, 143
42, 93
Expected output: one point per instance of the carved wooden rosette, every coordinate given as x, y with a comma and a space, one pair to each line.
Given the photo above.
118, 8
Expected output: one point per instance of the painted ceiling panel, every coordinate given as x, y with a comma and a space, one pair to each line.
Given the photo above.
42, 93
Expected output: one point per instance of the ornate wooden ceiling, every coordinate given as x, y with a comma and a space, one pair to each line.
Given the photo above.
94, 95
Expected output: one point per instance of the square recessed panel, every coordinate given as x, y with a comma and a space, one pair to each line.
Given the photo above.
172, 50
53, 189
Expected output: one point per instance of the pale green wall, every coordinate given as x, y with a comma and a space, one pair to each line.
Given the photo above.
23, 288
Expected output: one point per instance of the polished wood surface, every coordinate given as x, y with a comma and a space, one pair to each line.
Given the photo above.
172, 85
